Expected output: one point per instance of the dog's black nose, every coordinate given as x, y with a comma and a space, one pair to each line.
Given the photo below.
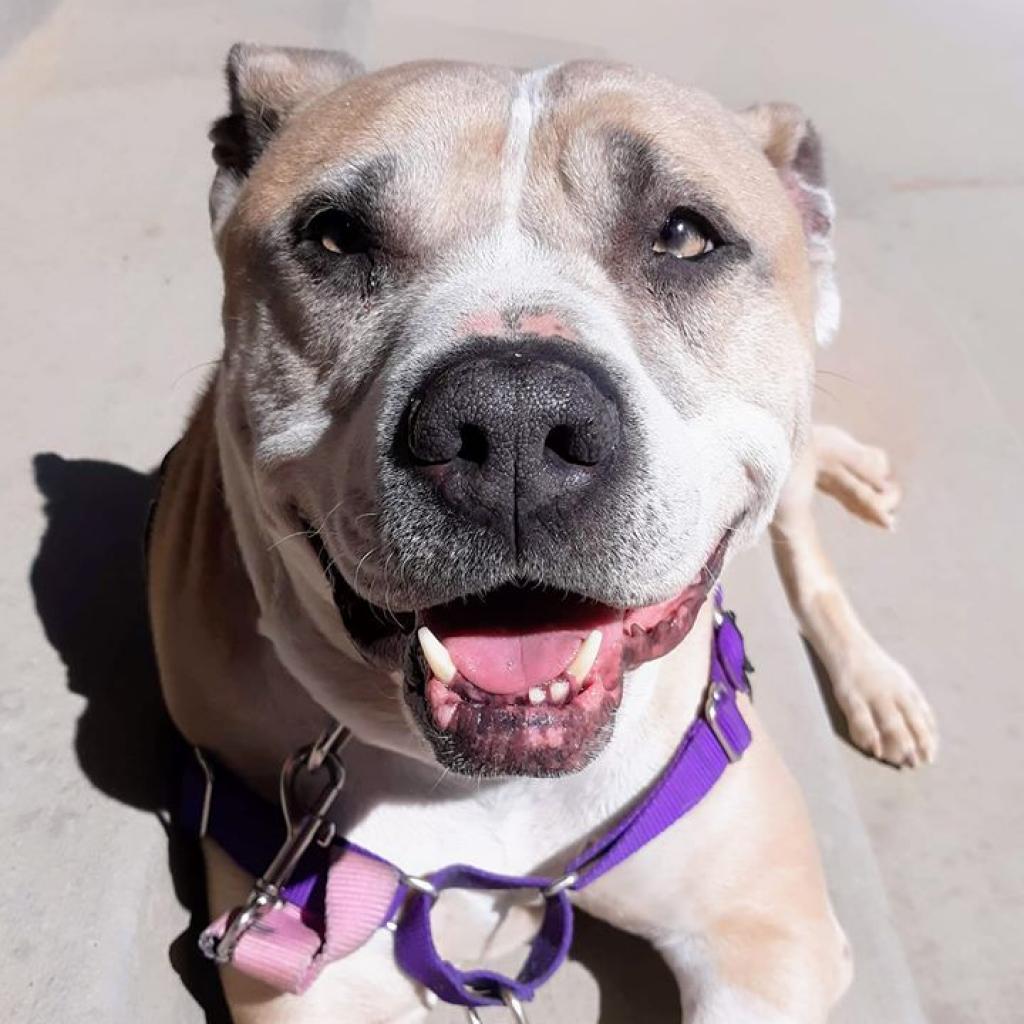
506, 433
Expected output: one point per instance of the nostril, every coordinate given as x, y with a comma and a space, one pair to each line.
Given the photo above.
574, 444
560, 442
473, 447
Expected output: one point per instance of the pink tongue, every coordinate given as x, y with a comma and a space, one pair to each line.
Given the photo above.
512, 662
503, 647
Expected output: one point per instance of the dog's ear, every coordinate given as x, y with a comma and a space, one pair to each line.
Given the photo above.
265, 85
793, 147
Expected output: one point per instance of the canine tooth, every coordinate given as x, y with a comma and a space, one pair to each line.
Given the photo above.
537, 695
559, 691
581, 665
438, 658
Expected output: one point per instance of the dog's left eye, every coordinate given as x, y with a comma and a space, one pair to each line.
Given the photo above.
337, 232
685, 235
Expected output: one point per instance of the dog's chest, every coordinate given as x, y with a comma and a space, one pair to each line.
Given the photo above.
515, 826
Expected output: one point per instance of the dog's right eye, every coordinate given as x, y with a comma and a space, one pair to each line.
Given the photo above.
337, 232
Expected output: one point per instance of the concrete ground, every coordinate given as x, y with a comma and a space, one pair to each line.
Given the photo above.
110, 314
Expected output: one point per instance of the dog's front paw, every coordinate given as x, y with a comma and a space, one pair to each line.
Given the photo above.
887, 714
858, 475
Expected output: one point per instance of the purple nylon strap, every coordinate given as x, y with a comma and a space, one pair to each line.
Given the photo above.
695, 767
418, 956
250, 830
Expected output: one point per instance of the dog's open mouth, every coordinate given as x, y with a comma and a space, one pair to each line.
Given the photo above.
525, 679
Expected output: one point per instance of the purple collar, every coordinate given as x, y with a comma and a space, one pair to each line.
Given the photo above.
321, 897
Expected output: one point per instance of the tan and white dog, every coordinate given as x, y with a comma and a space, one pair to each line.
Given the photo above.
519, 358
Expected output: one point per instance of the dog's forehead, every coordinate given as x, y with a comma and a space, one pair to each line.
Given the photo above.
462, 134
421, 118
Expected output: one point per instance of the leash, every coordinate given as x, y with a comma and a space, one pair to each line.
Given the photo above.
319, 897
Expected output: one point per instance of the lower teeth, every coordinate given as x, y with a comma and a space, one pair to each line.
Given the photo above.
556, 694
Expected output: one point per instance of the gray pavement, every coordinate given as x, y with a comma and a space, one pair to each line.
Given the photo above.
109, 319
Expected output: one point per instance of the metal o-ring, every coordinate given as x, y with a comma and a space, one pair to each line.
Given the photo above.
512, 1003
423, 885
561, 884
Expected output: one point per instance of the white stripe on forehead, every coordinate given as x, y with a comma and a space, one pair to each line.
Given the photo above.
516, 155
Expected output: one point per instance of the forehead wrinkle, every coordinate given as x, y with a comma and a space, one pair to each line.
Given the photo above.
696, 138
356, 184
386, 112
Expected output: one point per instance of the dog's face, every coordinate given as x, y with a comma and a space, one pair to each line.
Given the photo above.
523, 355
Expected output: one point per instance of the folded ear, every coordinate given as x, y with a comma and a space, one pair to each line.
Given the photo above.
265, 85
793, 147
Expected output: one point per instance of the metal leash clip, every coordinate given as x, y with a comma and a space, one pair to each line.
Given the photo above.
301, 831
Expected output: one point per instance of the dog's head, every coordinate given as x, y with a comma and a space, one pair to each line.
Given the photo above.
522, 355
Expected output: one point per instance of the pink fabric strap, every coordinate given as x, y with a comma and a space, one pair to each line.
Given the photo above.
289, 947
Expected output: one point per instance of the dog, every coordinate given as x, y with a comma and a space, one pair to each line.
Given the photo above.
514, 363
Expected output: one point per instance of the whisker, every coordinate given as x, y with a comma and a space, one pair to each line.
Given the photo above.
289, 536
192, 369
323, 521
837, 375
355, 584
440, 779
387, 588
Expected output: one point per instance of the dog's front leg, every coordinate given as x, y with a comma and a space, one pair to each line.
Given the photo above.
886, 712
733, 897
364, 988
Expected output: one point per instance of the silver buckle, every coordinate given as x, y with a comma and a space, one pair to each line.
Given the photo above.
718, 692
302, 830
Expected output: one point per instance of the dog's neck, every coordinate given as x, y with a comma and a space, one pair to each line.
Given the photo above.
393, 776
512, 825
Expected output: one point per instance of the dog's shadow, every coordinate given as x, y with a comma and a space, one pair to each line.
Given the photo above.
88, 580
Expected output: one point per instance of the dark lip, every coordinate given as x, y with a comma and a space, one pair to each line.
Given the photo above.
380, 634
384, 637
490, 742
